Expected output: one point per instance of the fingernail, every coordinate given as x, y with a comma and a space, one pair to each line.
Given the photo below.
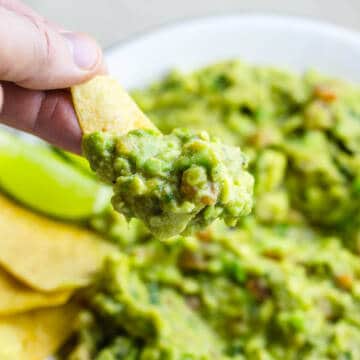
84, 50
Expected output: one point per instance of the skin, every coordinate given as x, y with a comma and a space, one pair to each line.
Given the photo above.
39, 61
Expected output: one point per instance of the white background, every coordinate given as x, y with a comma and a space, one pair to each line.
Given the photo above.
113, 20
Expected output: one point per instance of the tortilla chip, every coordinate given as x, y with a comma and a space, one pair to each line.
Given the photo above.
16, 297
45, 254
36, 334
101, 104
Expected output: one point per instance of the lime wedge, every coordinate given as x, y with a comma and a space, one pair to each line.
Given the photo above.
80, 162
36, 176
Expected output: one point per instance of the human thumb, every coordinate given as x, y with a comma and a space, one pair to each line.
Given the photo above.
35, 55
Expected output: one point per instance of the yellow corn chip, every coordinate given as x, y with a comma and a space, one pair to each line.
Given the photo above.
16, 297
102, 104
46, 254
36, 334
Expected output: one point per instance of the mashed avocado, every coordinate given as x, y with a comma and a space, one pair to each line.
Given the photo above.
173, 182
285, 283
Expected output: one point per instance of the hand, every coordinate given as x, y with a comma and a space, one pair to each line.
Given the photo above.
37, 57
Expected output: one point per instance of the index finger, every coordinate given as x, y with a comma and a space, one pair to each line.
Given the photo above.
47, 114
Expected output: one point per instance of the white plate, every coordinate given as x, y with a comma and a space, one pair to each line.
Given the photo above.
283, 41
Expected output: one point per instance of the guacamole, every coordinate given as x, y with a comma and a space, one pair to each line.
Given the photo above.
173, 182
285, 282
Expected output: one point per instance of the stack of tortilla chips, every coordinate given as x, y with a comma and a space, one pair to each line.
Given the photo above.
42, 263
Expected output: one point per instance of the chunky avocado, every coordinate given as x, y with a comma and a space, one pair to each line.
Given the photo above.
173, 182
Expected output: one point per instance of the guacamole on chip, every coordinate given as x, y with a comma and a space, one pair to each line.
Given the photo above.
172, 183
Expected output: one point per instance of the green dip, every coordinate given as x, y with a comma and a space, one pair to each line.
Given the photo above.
285, 283
172, 182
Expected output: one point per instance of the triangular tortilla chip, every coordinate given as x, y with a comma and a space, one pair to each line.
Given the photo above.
36, 334
46, 254
101, 104
16, 297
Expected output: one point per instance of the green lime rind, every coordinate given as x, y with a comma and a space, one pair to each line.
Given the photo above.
80, 162
36, 176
